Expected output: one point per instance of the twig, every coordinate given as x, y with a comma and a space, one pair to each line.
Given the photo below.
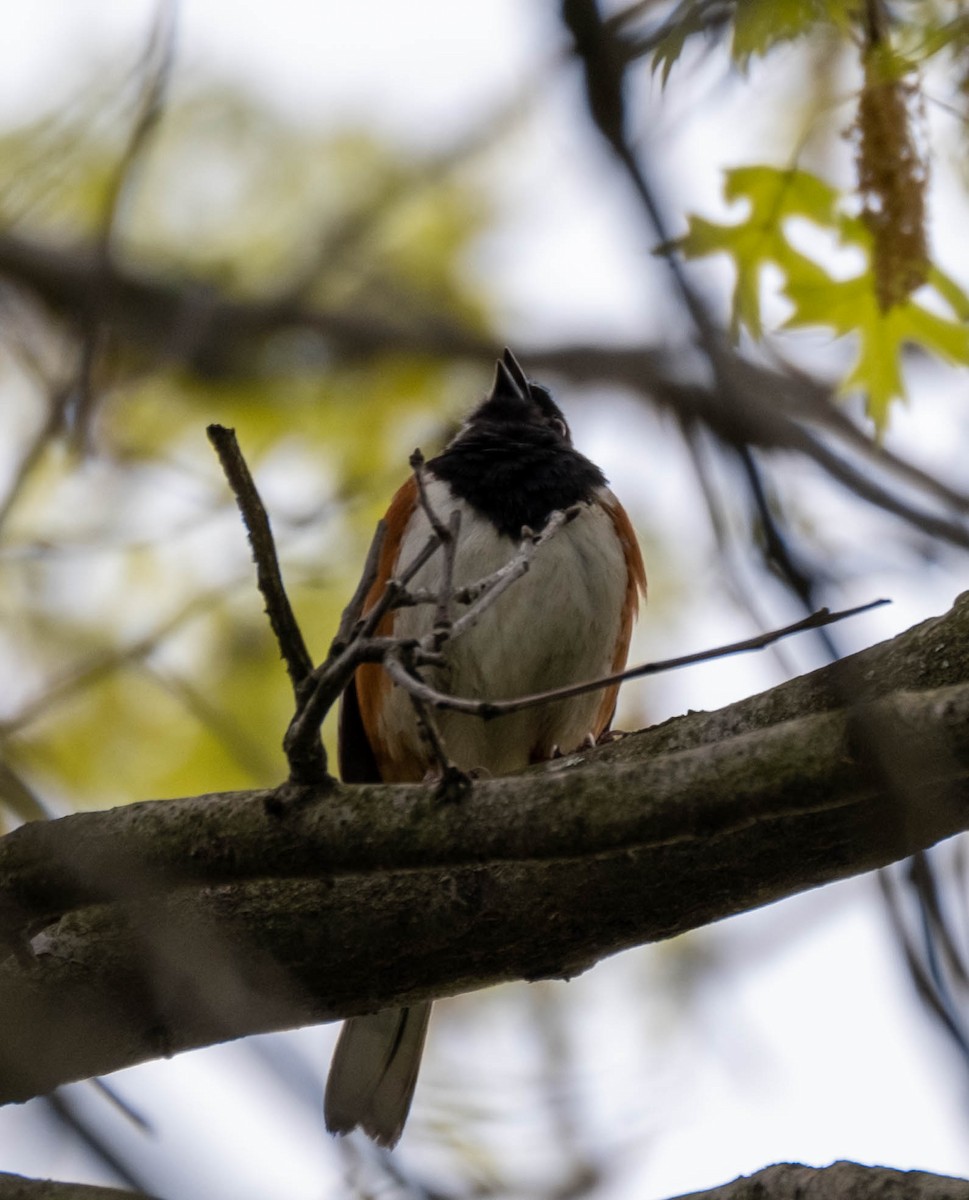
453, 782
291, 645
321, 690
776, 549
354, 644
484, 593
726, 541
921, 979
354, 609
304, 751
394, 594
156, 66
417, 466
488, 709
443, 622
447, 536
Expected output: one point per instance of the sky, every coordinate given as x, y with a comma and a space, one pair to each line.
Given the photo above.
810, 1047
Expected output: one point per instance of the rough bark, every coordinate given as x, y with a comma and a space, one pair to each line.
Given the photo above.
18, 1187
784, 1181
167, 925
840, 1181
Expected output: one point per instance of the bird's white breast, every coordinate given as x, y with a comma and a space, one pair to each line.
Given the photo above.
558, 624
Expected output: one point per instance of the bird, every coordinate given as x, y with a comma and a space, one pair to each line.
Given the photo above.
509, 467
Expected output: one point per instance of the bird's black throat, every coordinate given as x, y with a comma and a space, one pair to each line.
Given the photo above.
516, 474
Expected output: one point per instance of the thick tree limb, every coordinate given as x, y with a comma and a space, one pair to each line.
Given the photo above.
18, 1187
840, 1181
784, 1181
173, 924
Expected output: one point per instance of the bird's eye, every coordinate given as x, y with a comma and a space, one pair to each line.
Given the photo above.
560, 427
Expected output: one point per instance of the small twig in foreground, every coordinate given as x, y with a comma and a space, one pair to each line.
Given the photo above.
270, 580
486, 591
354, 609
356, 642
488, 709
442, 614
416, 461
453, 781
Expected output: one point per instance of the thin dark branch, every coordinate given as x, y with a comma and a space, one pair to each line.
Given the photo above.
442, 615
774, 409
447, 535
354, 644
354, 609
305, 754
452, 782
33, 454
923, 879
488, 709
485, 592
417, 466
269, 577
729, 552
920, 977
64, 1108
156, 68
323, 686
776, 549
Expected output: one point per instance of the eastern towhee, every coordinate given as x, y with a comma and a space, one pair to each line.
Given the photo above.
568, 619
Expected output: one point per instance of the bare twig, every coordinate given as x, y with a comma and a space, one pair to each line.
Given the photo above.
452, 782
63, 1106
270, 580
447, 535
354, 644
443, 621
156, 67
395, 594
484, 593
728, 550
307, 757
417, 466
488, 709
354, 609
357, 641
922, 981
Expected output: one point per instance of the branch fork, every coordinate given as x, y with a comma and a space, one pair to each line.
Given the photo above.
316, 689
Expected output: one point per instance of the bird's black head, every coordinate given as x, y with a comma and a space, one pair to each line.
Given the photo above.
516, 401
513, 459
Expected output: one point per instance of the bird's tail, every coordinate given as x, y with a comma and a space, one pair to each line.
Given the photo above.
374, 1072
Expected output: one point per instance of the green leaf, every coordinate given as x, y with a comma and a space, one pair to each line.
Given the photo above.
683, 22
759, 25
759, 239
936, 321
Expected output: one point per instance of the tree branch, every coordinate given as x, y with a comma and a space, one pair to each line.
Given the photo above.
18, 1187
197, 325
840, 1181
292, 648
173, 924
784, 1181
487, 710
